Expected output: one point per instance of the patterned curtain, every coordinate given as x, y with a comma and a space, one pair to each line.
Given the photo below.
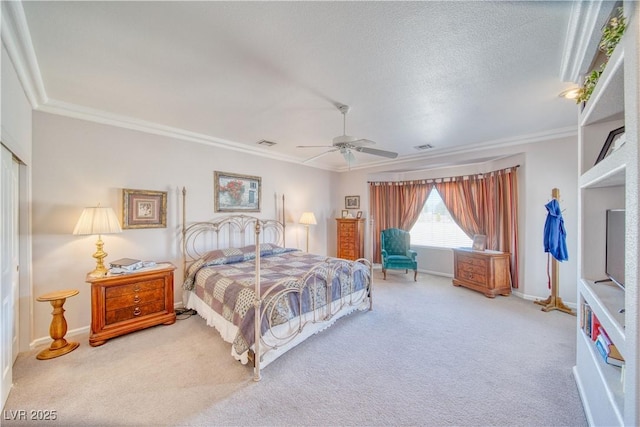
480, 204
395, 205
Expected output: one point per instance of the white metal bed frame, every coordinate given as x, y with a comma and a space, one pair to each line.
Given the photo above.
242, 230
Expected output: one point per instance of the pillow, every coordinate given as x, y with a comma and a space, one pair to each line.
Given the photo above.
229, 256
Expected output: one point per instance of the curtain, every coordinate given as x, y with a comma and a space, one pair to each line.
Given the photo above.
395, 205
480, 204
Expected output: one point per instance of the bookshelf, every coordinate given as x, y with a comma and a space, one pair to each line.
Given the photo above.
609, 393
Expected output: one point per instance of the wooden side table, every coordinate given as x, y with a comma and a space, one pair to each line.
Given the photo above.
58, 327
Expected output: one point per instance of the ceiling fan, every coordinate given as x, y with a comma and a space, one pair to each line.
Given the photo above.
346, 144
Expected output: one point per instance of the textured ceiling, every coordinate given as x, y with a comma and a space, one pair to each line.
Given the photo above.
449, 74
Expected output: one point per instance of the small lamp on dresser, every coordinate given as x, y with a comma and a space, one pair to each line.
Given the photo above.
98, 220
307, 219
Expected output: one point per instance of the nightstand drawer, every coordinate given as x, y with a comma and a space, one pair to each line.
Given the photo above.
135, 298
117, 291
114, 316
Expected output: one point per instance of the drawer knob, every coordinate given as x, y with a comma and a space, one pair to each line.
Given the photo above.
136, 289
136, 299
137, 311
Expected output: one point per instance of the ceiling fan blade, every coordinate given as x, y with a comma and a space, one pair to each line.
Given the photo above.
314, 146
361, 142
375, 152
320, 155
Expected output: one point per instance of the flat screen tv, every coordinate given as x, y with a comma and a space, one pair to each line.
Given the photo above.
615, 247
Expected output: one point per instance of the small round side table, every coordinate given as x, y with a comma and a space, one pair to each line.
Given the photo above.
58, 327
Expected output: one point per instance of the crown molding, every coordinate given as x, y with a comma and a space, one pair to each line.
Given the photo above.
583, 37
17, 40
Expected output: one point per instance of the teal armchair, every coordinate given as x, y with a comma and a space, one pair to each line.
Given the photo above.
396, 255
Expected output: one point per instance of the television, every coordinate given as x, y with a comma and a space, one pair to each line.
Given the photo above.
615, 246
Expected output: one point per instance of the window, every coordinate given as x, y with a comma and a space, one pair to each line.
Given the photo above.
435, 227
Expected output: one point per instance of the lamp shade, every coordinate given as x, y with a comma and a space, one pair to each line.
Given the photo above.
308, 218
97, 220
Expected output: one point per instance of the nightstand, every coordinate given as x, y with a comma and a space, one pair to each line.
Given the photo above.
125, 303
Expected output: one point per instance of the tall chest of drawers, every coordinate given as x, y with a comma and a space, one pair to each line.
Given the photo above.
350, 238
484, 271
129, 302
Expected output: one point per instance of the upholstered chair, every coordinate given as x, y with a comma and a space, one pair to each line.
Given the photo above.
396, 255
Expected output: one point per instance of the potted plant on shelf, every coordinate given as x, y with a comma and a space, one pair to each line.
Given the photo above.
611, 35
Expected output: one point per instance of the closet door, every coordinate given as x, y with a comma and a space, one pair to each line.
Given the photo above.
9, 292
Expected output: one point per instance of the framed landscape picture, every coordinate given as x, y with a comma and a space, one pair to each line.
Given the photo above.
144, 208
236, 193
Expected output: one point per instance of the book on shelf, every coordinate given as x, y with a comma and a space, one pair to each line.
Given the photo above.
608, 350
128, 264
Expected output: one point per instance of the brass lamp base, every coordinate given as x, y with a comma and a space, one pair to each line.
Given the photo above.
100, 255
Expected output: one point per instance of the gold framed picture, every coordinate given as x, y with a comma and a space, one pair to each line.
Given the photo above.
236, 193
144, 208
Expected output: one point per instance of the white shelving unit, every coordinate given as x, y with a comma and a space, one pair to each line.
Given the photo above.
610, 394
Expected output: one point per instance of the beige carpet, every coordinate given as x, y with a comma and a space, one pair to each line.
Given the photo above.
429, 354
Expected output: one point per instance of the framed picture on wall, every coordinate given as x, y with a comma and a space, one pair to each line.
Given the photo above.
352, 202
236, 193
144, 208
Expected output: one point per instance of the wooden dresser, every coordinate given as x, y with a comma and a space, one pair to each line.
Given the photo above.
350, 238
130, 302
484, 271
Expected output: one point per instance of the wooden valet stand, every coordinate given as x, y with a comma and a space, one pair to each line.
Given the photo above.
58, 327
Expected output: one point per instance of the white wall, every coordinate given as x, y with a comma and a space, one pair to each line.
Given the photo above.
78, 163
543, 166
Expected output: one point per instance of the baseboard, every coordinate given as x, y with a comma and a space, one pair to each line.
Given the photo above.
78, 331
47, 340
571, 305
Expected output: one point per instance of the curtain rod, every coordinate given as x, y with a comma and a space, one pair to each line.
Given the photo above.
445, 179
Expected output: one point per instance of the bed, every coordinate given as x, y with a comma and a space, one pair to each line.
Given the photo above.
238, 265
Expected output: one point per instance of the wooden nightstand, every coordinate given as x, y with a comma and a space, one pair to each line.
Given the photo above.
130, 302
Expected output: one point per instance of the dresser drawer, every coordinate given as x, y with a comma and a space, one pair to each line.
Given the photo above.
472, 274
122, 314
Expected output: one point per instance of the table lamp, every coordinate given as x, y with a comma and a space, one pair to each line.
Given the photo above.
308, 218
98, 220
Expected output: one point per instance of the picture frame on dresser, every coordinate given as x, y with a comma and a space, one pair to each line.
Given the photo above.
610, 144
479, 242
144, 209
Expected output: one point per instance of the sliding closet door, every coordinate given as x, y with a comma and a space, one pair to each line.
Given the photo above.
9, 292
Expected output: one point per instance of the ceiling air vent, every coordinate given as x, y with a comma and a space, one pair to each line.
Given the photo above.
423, 147
265, 142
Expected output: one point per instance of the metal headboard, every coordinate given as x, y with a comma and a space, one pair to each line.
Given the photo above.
231, 231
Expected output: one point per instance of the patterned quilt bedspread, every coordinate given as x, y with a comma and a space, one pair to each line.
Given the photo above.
224, 280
